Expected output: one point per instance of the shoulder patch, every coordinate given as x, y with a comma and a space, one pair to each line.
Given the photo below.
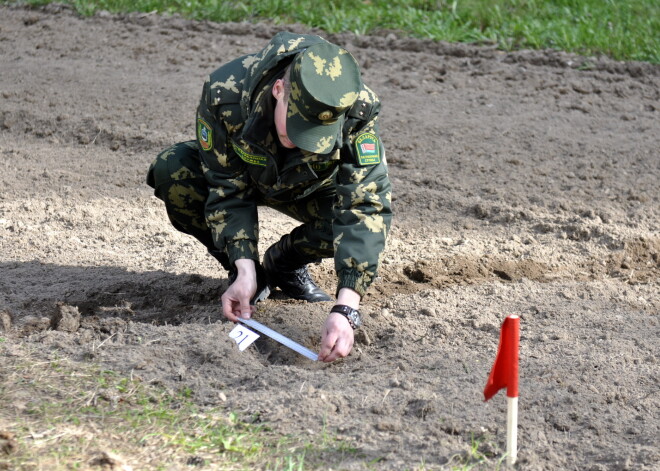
367, 149
204, 134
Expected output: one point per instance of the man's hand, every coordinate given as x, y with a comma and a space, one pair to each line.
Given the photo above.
337, 338
236, 300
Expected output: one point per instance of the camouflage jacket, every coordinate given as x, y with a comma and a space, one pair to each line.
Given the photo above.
245, 165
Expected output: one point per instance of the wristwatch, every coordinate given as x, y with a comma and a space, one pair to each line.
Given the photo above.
353, 315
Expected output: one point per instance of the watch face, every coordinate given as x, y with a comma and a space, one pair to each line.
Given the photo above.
353, 315
356, 318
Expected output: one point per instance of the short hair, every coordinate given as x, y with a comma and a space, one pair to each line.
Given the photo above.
287, 82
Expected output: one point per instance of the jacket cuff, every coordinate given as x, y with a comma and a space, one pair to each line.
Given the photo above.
355, 280
243, 248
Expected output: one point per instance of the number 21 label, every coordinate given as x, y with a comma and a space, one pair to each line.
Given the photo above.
243, 336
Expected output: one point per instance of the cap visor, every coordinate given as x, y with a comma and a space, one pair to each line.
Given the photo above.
312, 137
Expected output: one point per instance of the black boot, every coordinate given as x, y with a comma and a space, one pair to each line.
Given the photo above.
263, 291
286, 269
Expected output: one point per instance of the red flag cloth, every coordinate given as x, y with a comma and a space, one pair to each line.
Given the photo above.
505, 369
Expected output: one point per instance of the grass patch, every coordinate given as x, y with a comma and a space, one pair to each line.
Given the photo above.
58, 415
625, 30
479, 457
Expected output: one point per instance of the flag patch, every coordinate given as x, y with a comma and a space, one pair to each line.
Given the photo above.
367, 149
204, 134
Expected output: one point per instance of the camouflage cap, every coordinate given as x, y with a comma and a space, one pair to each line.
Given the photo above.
325, 82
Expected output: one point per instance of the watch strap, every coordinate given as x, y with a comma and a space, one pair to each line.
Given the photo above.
346, 311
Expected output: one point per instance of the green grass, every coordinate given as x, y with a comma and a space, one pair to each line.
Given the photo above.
621, 29
62, 415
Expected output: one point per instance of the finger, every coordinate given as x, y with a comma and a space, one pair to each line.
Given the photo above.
341, 349
227, 308
245, 309
335, 354
337, 351
327, 343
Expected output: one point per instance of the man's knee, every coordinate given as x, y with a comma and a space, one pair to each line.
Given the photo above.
177, 179
179, 162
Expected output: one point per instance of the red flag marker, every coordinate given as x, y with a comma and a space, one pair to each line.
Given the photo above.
505, 369
504, 374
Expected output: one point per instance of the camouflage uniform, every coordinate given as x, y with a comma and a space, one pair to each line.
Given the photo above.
340, 192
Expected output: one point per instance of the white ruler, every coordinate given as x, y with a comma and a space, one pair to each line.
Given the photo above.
280, 338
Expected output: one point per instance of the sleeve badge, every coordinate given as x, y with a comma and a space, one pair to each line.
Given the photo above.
204, 134
367, 149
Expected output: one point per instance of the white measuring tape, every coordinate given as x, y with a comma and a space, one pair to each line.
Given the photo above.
244, 339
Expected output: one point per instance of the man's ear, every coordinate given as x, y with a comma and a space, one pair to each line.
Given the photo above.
278, 89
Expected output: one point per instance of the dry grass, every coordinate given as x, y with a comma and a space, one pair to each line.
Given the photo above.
61, 415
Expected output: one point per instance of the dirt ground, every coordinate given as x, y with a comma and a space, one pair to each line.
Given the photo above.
524, 183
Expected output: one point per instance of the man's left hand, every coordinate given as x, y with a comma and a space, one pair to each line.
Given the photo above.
337, 338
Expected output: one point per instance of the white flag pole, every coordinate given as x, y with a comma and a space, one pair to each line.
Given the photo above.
511, 430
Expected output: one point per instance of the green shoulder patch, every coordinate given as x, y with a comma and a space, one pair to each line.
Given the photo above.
204, 134
367, 149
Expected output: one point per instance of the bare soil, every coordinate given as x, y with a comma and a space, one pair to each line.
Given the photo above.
524, 183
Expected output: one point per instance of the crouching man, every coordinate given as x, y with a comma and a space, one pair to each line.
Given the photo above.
292, 127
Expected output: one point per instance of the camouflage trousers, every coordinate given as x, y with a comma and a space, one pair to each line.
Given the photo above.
178, 180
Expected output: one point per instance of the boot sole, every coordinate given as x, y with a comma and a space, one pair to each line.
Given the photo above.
301, 298
261, 296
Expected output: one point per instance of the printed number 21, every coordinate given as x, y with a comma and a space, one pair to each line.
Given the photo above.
243, 337
239, 335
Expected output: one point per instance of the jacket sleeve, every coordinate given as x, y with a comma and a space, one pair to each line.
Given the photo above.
231, 210
362, 212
